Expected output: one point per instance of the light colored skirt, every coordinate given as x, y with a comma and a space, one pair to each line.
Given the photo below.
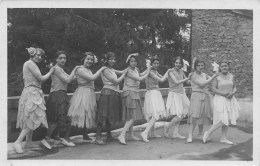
31, 109
200, 110
131, 104
154, 105
225, 110
177, 104
83, 108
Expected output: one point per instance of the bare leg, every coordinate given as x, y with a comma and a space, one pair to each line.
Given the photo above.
153, 133
173, 122
224, 135
210, 131
121, 137
176, 131
131, 133
144, 134
18, 142
191, 130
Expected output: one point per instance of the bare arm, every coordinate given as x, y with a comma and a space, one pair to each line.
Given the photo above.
112, 79
119, 71
177, 81
36, 72
216, 90
137, 78
84, 75
160, 79
64, 77
230, 95
202, 84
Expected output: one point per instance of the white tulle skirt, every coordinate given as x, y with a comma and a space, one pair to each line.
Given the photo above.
31, 110
177, 104
154, 105
83, 108
225, 110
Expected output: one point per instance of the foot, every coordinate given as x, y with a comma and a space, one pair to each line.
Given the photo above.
99, 141
132, 137
18, 148
205, 136
200, 137
165, 131
66, 143
86, 137
189, 140
45, 144
226, 141
177, 135
153, 135
144, 137
121, 139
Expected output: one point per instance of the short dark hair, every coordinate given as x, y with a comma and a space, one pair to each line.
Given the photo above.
85, 56
57, 54
107, 56
175, 59
128, 62
197, 61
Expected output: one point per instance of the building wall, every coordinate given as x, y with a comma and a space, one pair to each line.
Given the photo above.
223, 34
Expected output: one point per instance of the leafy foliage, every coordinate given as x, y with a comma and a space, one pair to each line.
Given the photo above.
123, 31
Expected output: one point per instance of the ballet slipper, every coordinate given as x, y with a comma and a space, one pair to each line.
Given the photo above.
177, 135
66, 143
133, 137
205, 136
189, 140
226, 141
144, 137
18, 148
121, 139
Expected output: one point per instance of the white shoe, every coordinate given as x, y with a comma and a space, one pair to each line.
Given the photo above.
205, 136
121, 139
155, 136
178, 136
144, 137
18, 148
189, 140
66, 143
46, 144
226, 141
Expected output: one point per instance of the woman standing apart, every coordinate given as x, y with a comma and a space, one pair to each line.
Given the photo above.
31, 110
225, 105
82, 110
109, 103
131, 103
177, 102
200, 111
58, 102
154, 107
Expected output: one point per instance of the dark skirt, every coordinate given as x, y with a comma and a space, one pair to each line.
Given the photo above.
132, 108
109, 106
57, 109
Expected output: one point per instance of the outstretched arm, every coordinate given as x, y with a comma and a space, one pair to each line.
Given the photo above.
216, 90
202, 84
84, 75
160, 78
108, 75
64, 77
138, 78
36, 72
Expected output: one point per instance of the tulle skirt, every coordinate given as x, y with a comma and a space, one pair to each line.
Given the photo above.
225, 110
200, 110
57, 108
31, 109
154, 105
177, 104
131, 104
83, 108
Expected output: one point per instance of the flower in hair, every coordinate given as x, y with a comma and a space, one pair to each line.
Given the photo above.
95, 59
129, 56
185, 64
215, 66
32, 51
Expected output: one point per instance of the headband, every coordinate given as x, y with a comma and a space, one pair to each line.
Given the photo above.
129, 56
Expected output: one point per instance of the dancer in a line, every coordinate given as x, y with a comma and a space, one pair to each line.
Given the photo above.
31, 110
131, 103
109, 104
200, 110
154, 107
177, 103
225, 105
58, 102
83, 107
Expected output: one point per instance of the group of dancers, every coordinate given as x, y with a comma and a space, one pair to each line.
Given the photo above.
85, 112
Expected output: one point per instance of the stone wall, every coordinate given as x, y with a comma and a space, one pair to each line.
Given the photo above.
226, 34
